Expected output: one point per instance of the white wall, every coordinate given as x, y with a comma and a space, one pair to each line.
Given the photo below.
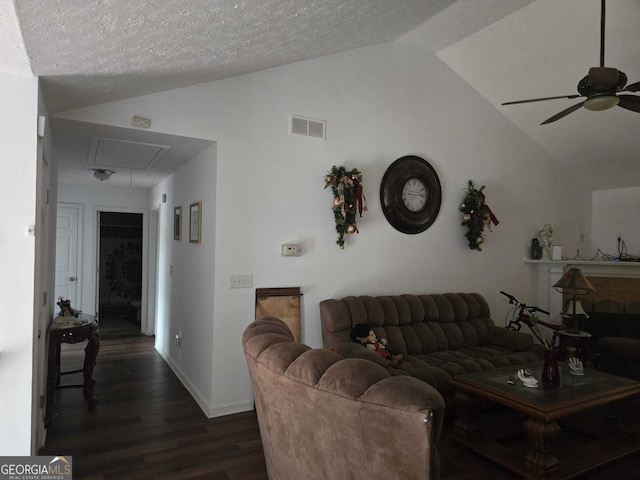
46, 195
186, 276
19, 100
381, 103
615, 214
93, 198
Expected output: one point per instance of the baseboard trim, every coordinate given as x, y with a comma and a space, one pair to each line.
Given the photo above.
195, 393
230, 409
209, 410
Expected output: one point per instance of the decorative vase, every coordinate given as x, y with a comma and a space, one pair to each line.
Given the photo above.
550, 372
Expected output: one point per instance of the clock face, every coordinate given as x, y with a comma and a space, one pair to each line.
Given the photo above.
410, 194
414, 194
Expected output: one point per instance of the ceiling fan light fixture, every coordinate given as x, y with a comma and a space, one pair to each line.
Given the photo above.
101, 174
597, 103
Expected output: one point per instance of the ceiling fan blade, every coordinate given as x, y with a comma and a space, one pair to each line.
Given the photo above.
540, 99
630, 102
604, 77
634, 87
563, 113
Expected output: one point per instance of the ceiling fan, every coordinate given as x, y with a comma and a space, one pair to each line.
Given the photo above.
601, 87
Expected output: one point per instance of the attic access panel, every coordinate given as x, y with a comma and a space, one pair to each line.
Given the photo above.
111, 152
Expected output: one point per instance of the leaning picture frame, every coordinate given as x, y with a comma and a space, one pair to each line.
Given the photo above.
195, 222
177, 223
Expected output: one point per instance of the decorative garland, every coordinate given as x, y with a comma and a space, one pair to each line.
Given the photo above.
477, 214
347, 199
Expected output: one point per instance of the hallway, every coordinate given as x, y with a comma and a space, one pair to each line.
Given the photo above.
146, 425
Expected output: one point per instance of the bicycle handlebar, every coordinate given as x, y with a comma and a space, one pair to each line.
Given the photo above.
515, 301
511, 298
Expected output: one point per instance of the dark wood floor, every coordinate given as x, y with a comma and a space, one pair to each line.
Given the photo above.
147, 426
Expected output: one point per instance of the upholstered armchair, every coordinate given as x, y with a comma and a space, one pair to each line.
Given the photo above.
322, 416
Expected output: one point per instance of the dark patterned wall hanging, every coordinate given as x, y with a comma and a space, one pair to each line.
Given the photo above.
124, 270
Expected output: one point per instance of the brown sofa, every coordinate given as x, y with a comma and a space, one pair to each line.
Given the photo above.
439, 335
618, 355
322, 416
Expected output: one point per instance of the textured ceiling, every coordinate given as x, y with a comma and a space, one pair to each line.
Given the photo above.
92, 52
95, 52
13, 57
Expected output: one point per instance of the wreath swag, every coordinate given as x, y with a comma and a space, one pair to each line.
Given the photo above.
477, 215
348, 199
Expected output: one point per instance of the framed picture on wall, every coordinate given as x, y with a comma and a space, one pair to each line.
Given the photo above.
195, 222
177, 223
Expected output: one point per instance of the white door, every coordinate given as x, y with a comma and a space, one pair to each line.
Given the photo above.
67, 250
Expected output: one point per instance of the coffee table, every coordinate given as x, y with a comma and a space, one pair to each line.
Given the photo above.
545, 414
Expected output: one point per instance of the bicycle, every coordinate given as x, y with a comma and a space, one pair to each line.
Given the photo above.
523, 313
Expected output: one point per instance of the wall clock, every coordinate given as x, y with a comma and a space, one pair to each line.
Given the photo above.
410, 194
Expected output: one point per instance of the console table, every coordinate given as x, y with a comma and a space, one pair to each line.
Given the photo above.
71, 330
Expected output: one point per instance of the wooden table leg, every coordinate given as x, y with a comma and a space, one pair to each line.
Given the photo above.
90, 355
466, 424
628, 413
53, 379
542, 436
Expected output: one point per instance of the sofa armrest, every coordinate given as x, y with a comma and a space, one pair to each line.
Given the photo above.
355, 350
386, 406
626, 349
418, 414
514, 341
406, 393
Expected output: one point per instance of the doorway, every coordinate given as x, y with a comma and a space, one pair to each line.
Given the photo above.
120, 270
68, 263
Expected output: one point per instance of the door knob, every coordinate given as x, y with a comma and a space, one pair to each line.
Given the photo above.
71, 279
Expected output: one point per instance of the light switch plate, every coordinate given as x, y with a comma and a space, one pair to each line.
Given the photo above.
241, 280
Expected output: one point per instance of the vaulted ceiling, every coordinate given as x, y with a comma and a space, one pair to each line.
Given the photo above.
87, 53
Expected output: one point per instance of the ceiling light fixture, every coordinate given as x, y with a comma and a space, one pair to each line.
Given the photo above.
598, 103
101, 174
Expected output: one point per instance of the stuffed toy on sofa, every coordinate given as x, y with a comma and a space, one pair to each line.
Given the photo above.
361, 333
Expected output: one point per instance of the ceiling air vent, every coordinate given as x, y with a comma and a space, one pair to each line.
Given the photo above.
308, 127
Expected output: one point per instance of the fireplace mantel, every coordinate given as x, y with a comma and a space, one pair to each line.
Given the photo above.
550, 271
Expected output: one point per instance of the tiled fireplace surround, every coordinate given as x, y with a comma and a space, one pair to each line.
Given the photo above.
614, 307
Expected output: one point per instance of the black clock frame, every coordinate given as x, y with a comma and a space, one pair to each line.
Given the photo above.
393, 181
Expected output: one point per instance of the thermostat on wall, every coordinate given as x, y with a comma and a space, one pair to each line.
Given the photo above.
290, 250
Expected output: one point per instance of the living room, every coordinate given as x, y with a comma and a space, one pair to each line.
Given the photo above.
261, 187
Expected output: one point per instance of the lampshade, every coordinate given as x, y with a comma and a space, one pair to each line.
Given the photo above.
574, 282
101, 174
598, 103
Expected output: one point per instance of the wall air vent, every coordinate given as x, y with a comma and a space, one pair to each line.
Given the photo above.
309, 127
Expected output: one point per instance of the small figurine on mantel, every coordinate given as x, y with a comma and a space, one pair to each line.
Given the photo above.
545, 236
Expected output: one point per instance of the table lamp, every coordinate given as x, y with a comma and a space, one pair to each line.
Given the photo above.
574, 283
